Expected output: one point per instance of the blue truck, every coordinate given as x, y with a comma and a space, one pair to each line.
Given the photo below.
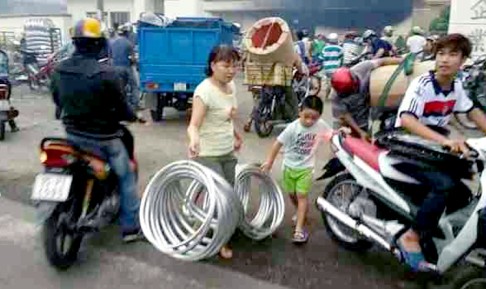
173, 59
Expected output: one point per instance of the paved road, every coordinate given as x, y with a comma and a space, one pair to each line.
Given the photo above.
108, 264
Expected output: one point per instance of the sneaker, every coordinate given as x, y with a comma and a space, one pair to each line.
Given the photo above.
300, 237
133, 236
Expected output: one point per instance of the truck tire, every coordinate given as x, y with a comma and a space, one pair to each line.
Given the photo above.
2, 130
157, 111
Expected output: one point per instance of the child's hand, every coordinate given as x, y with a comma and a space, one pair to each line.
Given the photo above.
266, 167
345, 130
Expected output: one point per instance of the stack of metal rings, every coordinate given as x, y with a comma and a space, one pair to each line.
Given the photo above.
189, 212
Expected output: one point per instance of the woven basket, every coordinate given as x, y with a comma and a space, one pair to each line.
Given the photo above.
271, 74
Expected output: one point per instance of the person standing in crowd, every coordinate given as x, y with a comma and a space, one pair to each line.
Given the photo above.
416, 42
429, 48
317, 46
213, 137
332, 56
351, 49
122, 55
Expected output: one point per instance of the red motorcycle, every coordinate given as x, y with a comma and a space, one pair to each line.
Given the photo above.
38, 76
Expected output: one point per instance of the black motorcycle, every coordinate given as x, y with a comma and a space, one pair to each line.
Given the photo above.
76, 194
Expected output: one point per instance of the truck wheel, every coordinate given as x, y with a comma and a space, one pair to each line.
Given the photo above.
157, 113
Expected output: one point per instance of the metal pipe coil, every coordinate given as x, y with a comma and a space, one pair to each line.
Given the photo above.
189, 212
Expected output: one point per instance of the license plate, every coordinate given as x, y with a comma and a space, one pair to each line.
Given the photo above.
4, 104
180, 86
51, 187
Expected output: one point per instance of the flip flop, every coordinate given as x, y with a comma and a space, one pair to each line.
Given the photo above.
415, 260
300, 237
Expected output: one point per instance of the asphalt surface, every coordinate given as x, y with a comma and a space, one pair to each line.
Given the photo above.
107, 263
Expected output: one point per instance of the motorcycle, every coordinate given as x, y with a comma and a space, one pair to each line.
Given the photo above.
372, 199
473, 77
37, 77
7, 112
270, 100
76, 194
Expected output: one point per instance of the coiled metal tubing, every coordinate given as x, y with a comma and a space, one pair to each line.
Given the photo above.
194, 223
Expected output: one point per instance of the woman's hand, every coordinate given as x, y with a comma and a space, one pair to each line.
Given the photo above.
194, 149
238, 144
266, 167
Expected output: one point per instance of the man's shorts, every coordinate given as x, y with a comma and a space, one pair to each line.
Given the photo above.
297, 181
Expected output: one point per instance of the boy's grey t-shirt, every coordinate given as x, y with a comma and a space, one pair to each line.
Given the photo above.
300, 143
356, 104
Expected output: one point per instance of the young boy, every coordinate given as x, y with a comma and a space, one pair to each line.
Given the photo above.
300, 140
426, 110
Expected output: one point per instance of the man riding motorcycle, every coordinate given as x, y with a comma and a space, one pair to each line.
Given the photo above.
426, 111
93, 104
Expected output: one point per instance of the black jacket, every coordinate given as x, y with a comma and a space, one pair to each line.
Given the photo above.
91, 97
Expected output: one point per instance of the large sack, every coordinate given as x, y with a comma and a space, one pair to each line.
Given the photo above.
269, 40
381, 75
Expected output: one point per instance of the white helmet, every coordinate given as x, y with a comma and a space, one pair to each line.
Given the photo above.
417, 30
368, 34
388, 30
333, 38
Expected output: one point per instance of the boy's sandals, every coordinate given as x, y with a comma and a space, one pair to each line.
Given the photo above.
226, 253
300, 237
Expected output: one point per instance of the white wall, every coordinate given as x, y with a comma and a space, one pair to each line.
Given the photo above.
468, 19
184, 8
78, 8
15, 23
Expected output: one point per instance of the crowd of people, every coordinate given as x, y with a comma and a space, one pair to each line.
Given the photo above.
93, 103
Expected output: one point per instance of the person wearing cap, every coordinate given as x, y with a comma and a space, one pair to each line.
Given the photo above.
378, 48
93, 104
416, 42
388, 34
332, 59
429, 48
351, 95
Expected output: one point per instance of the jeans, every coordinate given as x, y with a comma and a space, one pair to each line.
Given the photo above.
133, 97
444, 191
117, 157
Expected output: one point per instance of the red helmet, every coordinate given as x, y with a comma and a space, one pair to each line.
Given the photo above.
343, 81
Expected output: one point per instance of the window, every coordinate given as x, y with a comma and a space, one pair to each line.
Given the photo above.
119, 18
95, 15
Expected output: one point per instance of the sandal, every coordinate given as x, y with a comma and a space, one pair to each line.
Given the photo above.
415, 260
300, 237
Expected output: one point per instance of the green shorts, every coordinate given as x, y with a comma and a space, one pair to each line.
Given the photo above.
297, 181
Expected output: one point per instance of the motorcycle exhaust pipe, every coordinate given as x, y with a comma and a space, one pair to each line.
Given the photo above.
364, 230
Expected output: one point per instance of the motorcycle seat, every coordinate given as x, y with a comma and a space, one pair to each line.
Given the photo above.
367, 152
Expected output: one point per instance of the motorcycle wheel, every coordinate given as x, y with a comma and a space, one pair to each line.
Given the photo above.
2, 130
262, 124
469, 277
61, 246
33, 84
341, 234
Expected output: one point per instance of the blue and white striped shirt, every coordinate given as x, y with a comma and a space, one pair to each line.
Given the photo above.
332, 58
